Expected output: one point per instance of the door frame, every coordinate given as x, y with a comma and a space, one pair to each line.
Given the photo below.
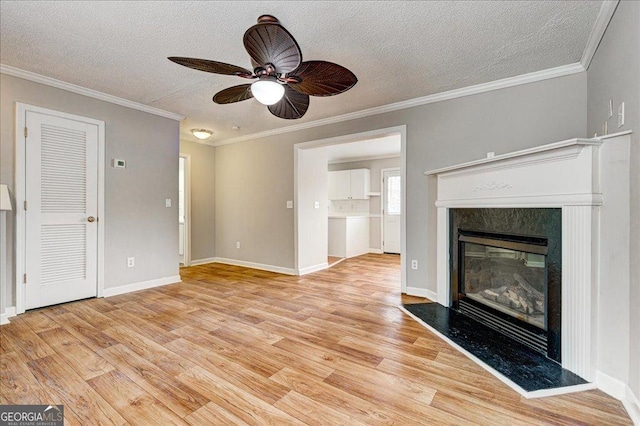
20, 195
187, 208
354, 137
383, 198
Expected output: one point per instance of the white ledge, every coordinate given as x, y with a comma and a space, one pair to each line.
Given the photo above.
515, 154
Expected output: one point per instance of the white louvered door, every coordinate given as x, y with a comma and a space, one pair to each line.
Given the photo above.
62, 199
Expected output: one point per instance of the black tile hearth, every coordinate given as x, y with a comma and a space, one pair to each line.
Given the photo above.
525, 367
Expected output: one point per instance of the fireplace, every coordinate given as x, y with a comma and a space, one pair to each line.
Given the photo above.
506, 272
587, 262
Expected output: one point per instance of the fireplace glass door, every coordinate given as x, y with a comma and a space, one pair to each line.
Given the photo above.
507, 276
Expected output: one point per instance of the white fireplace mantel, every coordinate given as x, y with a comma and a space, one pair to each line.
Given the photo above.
551, 175
572, 175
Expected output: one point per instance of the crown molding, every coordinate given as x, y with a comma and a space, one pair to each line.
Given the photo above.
438, 97
597, 32
37, 78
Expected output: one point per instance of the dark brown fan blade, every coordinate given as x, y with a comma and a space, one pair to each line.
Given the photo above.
321, 78
270, 43
233, 94
292, 105
211, 66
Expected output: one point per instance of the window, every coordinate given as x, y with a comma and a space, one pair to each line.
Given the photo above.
393, 195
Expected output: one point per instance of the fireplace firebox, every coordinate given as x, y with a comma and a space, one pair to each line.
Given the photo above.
505, 272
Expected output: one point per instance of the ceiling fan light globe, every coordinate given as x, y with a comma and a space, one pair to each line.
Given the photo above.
267, 91
202, 134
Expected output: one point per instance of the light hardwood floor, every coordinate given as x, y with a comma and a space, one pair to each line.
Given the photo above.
232, 345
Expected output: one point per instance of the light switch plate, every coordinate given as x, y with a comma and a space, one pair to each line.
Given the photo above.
167, 202
289, 204
316, 205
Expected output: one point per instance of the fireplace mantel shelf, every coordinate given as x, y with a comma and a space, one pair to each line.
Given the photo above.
525, 152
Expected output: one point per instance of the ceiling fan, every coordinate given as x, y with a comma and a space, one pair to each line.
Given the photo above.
283, 82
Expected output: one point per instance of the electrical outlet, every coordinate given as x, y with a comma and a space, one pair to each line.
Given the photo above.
237, 244
289, 204
316, 205
414, 264
131, 262
167, 202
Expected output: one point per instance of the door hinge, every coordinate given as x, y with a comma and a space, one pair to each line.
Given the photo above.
25, 132
24, 279
25, 205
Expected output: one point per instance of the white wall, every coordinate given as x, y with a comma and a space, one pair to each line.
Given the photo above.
256, 176
312, 184
614, 74
137, 223
375, 206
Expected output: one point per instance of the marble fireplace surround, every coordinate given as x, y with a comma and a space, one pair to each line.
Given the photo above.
575, 175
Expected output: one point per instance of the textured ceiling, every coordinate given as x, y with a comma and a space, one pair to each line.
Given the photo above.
398, 50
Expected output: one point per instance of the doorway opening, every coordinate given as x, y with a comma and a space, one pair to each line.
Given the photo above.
338, 187
184, 210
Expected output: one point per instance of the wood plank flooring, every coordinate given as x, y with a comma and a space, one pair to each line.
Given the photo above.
231, 345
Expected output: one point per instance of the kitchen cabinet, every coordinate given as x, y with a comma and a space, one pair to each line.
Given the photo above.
349, 184
348, 236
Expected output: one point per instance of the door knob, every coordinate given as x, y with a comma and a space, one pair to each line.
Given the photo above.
91, 219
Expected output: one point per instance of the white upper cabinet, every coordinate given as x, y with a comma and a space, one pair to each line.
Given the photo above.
349, 184
340, 185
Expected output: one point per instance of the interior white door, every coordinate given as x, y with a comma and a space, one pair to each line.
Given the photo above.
61, 210
391, 212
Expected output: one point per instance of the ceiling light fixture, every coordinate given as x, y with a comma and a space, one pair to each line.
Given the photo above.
267, 90
202, 134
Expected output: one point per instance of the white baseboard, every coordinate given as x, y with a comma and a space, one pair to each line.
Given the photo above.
610, 386
375, 251
9, 312
422, 292
535, 394
632, 405
619, 390
432, 295
418, 292
315, 268
262, 267
202, 261
128, 288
